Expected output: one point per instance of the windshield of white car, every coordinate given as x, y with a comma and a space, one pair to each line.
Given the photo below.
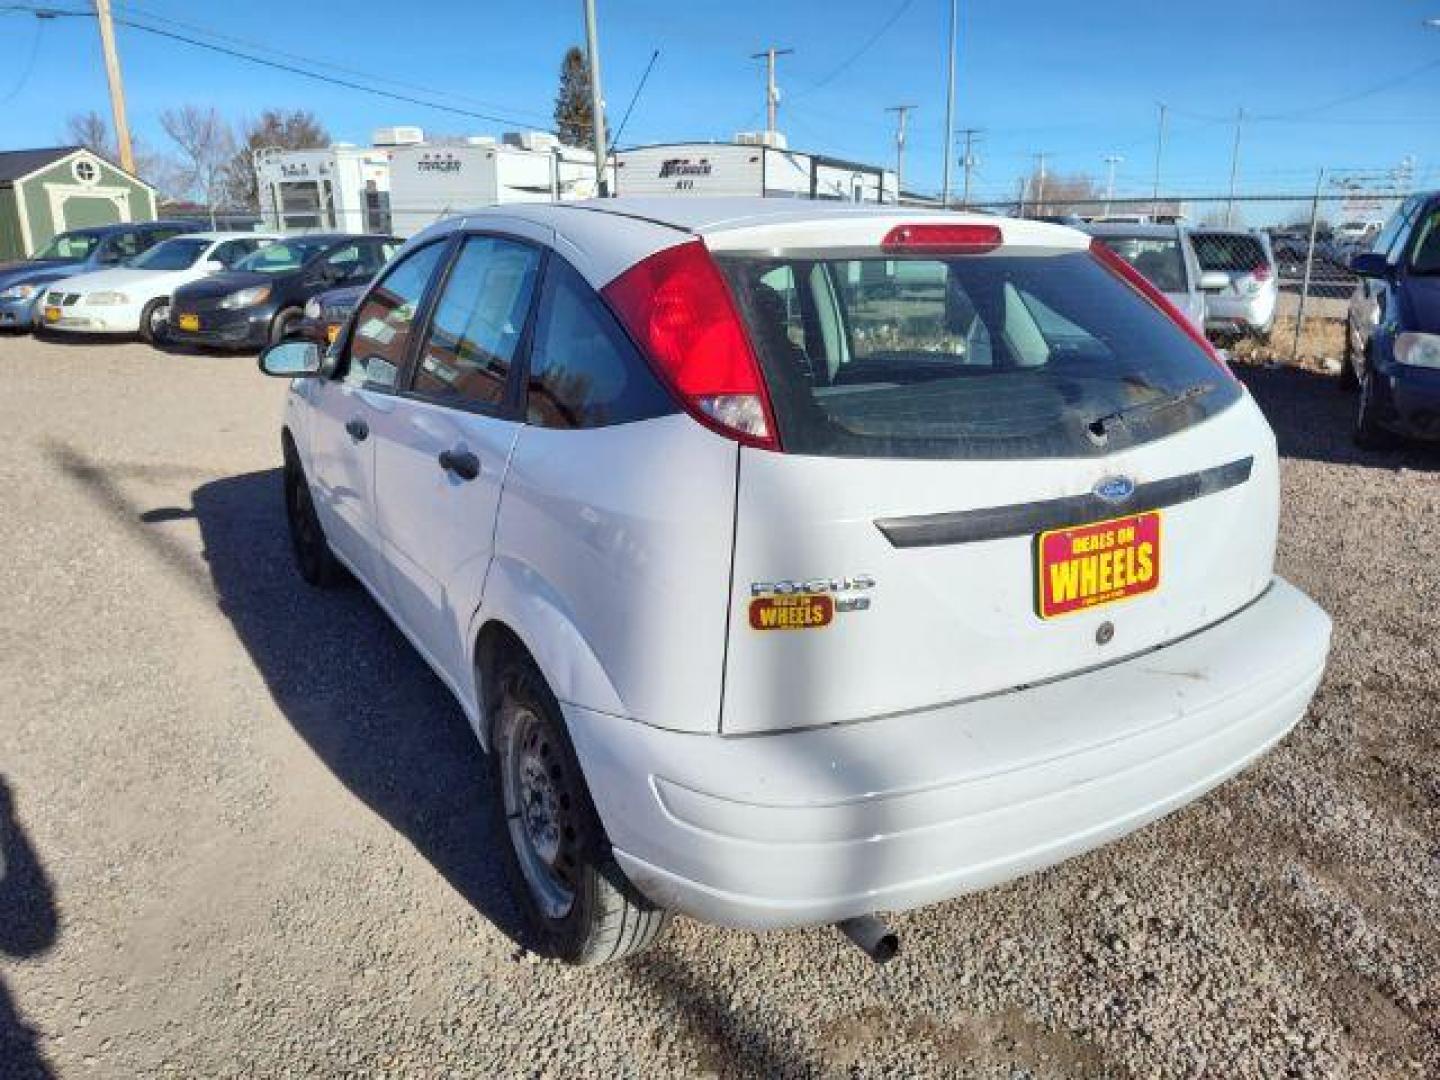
282, 257
1158, 258
68, 247
178, 254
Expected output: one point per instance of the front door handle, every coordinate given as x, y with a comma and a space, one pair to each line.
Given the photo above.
357, 429
462, 463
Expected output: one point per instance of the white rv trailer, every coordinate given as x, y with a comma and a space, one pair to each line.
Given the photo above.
749, 167
340, 187
429, 182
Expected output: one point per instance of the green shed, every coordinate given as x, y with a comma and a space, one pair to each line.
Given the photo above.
47, 191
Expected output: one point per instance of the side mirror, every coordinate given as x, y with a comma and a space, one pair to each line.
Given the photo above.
291, 360
1214, 281
214, 266
1370, 264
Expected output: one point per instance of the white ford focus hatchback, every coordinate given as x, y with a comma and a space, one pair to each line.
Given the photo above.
795, 562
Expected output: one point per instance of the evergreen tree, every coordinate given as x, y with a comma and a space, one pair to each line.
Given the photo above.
574, 120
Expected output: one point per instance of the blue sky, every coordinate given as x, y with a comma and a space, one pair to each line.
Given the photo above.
1335, 83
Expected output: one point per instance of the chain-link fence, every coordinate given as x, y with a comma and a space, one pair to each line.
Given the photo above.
1270, 273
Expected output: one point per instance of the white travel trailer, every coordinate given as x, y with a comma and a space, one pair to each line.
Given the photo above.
748, 166
429, 182
340, 187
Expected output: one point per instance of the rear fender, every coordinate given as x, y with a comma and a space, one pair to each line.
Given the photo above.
529, 607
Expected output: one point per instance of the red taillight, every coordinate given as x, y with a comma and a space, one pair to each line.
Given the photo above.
949, 239
1261, 273
678, 308
1141, 284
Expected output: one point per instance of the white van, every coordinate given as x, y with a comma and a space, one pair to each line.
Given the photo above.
781, 593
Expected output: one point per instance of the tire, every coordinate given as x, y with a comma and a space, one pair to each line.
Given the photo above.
1369, 434
283, 323
314, 560
1349, 380
155, 321
580, 906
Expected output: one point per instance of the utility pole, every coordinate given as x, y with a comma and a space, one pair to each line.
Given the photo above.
772, 92
1039, 201
1111, 160
1234, 168
949, 107
901, 112
968, 161
117, 85
1159, 153
597, 99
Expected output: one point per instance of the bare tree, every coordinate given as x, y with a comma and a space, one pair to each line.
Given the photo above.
297, 129
1057, 194
92, 131
206, 146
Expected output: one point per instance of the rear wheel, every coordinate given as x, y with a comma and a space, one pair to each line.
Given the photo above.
313, 558
580, 905
155, 321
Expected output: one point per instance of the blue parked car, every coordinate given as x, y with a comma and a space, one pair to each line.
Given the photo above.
23, 283
1392, 329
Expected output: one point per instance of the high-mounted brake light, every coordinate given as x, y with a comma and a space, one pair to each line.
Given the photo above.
1141, 284
680, 311
943, 239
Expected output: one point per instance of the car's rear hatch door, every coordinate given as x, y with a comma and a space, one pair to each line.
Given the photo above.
931, 535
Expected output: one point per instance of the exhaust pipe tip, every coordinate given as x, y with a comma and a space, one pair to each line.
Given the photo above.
872, 937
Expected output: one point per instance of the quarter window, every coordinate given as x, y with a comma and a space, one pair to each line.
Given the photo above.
384, 323
478, 322
584, 371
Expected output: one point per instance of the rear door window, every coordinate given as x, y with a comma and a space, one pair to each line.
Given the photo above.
978, 357
584, 370
1160, 259
478, 323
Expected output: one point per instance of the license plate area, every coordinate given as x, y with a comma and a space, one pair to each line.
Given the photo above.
52, 314
1088, 566
188, 321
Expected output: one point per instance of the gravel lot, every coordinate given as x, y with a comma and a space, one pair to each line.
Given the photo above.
248, 831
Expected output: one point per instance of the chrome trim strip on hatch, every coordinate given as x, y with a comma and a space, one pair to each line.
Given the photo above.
1026, 519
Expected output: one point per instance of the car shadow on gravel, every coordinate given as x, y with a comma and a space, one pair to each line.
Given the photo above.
29, 925
1313, 418
356, 691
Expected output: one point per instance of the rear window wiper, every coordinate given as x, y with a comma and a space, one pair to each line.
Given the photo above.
1099, 427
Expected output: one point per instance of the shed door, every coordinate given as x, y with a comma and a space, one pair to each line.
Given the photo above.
86, 211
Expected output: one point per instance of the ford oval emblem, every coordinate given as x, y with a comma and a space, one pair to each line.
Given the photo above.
1115, 489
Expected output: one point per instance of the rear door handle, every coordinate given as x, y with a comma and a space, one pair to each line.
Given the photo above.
357, 429
462, 463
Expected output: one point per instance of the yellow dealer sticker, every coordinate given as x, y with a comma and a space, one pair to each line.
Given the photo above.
796, 611
1090, 565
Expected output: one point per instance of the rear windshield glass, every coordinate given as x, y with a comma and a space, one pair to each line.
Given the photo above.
1158, 258
1044, 354
1233, 253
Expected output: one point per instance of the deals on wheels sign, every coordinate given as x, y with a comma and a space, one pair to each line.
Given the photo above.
1089, 565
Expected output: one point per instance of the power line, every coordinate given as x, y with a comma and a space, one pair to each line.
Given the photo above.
29, 68
870, 42
495, 118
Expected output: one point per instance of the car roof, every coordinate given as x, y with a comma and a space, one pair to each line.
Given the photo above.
1137, 232
604, 237
221, 234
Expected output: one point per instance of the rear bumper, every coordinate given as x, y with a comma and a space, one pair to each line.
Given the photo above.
814, 826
